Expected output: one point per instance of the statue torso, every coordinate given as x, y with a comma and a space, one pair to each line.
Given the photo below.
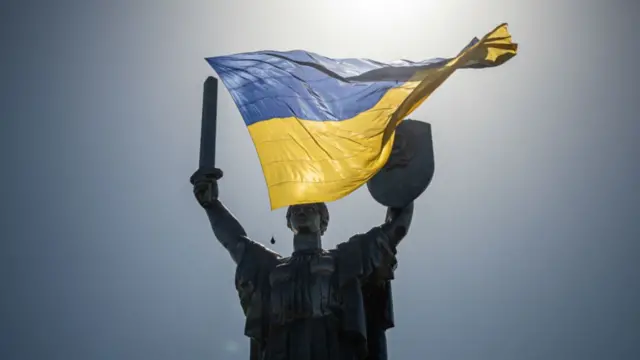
303, 286
304, 312
311, 305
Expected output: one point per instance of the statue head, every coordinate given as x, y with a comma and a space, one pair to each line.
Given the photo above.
308, 218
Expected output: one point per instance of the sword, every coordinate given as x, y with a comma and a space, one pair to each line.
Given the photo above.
207, 166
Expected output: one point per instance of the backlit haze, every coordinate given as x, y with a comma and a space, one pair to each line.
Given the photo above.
525, 246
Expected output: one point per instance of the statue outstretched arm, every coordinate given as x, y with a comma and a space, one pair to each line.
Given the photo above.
227, 229
397, 223
225, 226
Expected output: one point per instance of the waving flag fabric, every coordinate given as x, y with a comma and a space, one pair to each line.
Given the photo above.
323, 127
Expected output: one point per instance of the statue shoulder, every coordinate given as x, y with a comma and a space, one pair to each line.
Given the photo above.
257, 253
373, 236
253, 270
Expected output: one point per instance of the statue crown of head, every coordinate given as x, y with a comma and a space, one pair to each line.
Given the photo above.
308, 218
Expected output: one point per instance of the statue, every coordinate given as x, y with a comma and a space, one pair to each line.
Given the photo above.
321, 304
314, 304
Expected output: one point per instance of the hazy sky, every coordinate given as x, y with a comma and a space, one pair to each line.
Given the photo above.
525, 246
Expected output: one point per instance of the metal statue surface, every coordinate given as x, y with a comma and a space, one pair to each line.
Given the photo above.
314, 304
410, 167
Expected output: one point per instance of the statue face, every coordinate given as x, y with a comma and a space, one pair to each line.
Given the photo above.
305, 219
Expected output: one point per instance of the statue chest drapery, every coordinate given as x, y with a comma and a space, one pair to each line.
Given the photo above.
328, 305
303, 287
305, 312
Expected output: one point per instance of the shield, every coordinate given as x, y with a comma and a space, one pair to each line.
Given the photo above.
410, 166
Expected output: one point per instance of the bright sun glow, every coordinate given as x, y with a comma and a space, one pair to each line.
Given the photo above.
388, 25
375, 10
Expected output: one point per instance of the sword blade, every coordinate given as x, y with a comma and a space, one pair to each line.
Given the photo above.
209, 120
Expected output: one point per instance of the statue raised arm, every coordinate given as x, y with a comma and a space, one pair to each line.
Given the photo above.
224, 224
397, 223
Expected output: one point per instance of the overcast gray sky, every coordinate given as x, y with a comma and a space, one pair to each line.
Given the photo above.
526, 245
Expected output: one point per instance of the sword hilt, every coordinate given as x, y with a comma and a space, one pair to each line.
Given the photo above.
206, 173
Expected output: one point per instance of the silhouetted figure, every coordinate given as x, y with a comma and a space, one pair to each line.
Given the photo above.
314, 304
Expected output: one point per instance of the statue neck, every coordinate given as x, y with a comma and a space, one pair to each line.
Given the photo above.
307, 242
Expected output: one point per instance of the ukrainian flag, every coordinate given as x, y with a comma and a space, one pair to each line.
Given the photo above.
323, 127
